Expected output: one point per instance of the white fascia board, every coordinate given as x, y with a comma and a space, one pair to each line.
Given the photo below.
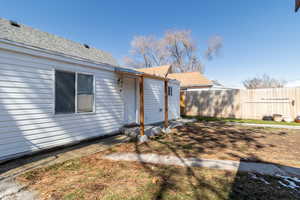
190, 86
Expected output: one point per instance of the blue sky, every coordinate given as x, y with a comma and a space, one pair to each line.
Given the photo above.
260, 36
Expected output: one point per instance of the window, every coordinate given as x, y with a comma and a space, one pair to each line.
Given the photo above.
85, 93
64, 92
170, 91
67, 93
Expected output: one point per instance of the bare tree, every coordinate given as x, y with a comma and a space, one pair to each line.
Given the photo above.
176, 47
145, 51
264, 81
182, 51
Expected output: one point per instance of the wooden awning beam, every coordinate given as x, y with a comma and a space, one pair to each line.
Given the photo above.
155, 77
142, 74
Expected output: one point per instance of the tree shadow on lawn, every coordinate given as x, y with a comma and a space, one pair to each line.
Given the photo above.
165, 183
253, 185
221, 141
195, 140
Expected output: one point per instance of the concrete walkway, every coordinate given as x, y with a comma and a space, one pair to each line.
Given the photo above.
12, 190
262, 168
265, 125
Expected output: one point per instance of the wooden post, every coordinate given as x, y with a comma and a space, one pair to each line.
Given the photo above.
142, 116
166, 105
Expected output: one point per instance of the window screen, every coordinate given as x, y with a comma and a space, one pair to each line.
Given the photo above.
64, 92
85, 93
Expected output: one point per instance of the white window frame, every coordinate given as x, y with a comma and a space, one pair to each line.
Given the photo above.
76, 83
94, 93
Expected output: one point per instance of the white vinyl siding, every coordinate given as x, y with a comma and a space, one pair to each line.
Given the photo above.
27, 119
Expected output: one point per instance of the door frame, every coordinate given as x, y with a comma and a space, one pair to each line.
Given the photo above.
136, 103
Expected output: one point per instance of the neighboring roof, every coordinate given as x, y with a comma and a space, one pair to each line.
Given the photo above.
191, 79
161, 71
35, 38
217, 83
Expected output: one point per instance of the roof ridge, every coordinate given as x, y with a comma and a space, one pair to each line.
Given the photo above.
37, 38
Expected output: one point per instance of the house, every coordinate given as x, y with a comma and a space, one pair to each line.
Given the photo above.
54, 92
216, 85
188, 80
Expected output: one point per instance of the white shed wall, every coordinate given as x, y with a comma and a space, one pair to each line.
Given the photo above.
27, 121
154, 100
174, 101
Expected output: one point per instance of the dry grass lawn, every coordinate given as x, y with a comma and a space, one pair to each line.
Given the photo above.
92, 177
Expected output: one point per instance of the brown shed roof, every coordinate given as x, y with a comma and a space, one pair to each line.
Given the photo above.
191, 79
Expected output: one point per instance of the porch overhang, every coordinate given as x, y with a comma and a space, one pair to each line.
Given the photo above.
132, 72
128, 71
141, 76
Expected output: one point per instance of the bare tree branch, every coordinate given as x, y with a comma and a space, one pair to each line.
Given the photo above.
176, 47
264, 81
215, 43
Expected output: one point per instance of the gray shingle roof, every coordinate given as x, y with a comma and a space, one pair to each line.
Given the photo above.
35, 38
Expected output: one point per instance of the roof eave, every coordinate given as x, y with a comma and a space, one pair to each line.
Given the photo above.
132, 72
188, 86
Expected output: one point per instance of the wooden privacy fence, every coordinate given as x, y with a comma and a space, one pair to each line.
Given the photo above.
245, 104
